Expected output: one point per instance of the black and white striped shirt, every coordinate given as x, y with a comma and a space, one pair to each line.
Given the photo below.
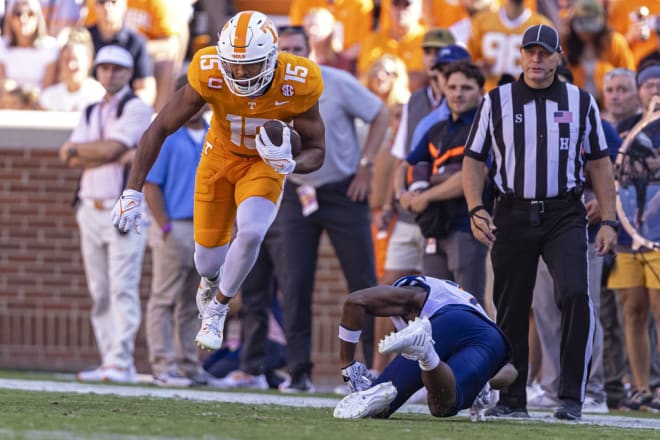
538, 138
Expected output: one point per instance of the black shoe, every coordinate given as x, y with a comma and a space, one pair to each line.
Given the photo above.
638, 400
501, 410
299, 383
568, 410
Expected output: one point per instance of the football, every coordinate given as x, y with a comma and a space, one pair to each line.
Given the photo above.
274, 129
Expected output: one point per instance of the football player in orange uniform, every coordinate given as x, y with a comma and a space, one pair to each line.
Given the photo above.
241, 174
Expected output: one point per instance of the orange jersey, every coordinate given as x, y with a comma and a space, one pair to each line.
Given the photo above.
496, 40
354, 17
408, 48
444, 13
616, 54
152, 18
622, 14
296, 86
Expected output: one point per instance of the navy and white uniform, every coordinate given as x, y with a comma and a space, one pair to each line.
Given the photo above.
465, 338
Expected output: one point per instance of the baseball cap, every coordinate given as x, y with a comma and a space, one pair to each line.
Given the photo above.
450, 54
588, 16
438, 37
587, 8
542, 35
116, 55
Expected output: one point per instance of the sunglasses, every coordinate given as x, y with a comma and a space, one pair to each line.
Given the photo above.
19, 14
401, 3
103, 2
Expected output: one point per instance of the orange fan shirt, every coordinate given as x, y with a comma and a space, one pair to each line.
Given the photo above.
497, 40
621, 15
152, 18
408, 48
354, 16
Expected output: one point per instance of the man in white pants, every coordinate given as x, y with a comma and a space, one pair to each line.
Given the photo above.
101, 145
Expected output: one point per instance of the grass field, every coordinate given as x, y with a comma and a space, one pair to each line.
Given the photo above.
95, 412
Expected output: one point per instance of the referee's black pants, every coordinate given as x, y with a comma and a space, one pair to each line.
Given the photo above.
559, 235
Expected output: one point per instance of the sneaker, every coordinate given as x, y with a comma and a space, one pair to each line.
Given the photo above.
636, 401
241, 379
205, 293
501, 410
299, 383
568, 410
593, 406
534, 389
95, 375
543, 401
654, 405
210, 335
172, 379
412, 341
368, 403
200, 378
120, 375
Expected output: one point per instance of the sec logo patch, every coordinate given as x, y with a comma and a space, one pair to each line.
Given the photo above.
287, 90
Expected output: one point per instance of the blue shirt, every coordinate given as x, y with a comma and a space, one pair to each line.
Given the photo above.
440, 113
174, 172
446, 135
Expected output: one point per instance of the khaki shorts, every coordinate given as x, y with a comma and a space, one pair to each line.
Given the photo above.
406, 248
635, 270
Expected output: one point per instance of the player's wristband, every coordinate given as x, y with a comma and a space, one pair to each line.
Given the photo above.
167, 227
611, 223
476, 209
352, 336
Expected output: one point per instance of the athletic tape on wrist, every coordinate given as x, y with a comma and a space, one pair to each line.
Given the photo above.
352, 336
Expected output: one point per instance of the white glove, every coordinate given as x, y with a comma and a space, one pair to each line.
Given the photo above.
127, 212
279, 157
480, 404
357, 376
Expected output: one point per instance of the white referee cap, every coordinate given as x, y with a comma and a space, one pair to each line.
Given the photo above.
116, 55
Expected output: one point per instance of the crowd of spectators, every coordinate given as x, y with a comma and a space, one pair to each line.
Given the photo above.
48, 48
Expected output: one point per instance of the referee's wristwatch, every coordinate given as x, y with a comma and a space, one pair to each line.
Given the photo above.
611, 223
366, 162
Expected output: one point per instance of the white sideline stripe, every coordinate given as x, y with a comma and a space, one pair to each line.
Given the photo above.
164, 393
295, 401
68, 435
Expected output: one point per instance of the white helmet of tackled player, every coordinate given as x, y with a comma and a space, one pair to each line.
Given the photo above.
249, 39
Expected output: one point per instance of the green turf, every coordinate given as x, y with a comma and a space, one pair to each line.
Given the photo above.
101, 416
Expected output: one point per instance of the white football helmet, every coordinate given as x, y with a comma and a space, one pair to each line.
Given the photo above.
249, 37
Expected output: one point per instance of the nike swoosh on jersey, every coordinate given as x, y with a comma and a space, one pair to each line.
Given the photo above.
279, 103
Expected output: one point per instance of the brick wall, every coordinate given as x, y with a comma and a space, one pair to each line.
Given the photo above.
44, 304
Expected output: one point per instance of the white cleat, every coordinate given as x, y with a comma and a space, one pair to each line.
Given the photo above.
367, 403
210, 335
205, 292
411, 341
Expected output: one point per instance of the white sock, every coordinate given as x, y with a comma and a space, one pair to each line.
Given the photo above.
214, 278
430, 359
217, 305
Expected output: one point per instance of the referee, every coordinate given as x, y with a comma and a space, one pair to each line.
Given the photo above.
542, 135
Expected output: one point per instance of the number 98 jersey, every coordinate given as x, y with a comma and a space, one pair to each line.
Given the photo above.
295, 88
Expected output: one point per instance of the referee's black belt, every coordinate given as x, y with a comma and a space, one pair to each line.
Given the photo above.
540, 206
